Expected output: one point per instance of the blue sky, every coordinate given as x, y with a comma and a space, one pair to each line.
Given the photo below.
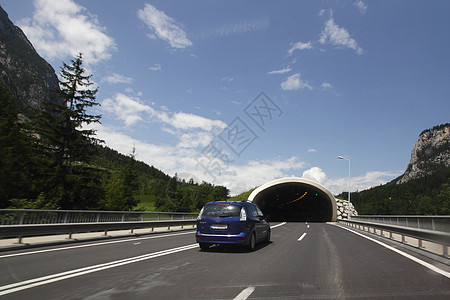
238, 93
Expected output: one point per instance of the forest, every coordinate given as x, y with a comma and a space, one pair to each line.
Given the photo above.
429, 195
52, 160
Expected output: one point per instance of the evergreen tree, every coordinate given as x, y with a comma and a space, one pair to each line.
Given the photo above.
14, 152
66, 146
121, 187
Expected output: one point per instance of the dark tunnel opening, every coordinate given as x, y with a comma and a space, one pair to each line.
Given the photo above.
295, 202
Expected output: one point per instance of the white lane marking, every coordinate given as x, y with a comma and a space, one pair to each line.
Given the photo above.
278, 225
106, 243
245, 293
94, 244
415, 259
301, 238
15, 287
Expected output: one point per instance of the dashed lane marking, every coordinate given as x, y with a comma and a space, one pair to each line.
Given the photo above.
245, 293
301, 238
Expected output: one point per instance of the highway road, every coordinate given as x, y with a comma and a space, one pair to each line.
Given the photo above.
303, 261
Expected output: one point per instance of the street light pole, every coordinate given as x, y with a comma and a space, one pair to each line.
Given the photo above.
349, 185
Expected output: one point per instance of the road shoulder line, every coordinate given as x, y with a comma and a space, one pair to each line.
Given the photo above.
415, 259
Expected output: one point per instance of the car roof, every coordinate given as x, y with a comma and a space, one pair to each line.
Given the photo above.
242, 203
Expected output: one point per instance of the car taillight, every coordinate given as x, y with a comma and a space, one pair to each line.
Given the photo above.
199, 217
243, 215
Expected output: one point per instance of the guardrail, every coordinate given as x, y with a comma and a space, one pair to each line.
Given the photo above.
437, 223
29, 222
437, 237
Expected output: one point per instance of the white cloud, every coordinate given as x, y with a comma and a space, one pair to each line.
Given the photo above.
61, 29
227, 79
181, 120
358, 183
195, 139
338, 36
155, 67
183, 158
127, 109
160, 156
312, 150
117, 78
164, 27
326, 86
241, 178
294, 82
131, 110
282, 71
363, 182
361, 6
299, 46
316, 174
235, 28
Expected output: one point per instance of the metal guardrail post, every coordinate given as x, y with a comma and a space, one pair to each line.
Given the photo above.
22, 216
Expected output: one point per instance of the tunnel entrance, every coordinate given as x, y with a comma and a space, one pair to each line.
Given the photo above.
295, 199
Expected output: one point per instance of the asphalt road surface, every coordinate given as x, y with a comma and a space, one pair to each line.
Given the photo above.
303, 261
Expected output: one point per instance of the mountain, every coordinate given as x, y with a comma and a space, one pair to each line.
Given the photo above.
29, 77
424, 188
430, 153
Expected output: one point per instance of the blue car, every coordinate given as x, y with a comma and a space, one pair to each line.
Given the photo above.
240, 223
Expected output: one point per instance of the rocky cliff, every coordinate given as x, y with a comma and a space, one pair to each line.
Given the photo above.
430, 153
28, 75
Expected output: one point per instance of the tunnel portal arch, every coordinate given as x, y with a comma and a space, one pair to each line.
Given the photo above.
295, 199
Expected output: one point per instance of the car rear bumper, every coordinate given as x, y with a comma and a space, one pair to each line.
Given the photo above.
215, 238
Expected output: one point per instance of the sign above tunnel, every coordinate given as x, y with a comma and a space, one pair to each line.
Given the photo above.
295, 199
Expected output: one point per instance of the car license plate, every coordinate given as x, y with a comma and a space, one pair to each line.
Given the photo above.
219, 226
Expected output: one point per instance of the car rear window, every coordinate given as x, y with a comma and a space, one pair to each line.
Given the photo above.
222, 210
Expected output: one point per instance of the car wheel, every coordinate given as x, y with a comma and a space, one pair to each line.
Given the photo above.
268, 236
252, 243
204, 246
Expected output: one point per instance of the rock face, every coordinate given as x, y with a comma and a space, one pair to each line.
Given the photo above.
430, 153
29, 77
342, 209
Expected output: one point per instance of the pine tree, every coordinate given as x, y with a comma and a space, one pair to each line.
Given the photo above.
14, 152
66, 146
121, 186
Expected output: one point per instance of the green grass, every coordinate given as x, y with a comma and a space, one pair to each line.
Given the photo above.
146, 202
